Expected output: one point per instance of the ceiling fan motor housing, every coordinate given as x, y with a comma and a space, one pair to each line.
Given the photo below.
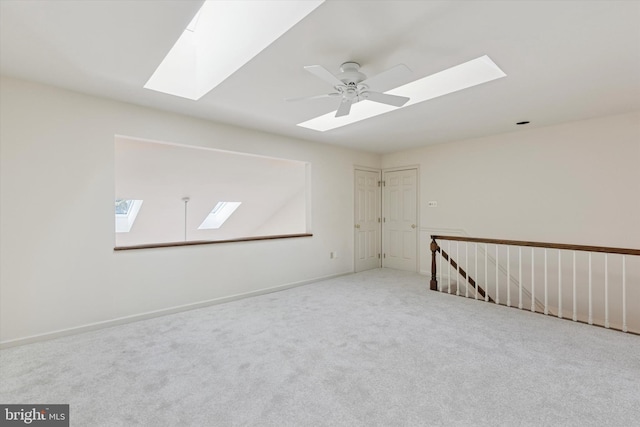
350, 75
352, 91
352, 86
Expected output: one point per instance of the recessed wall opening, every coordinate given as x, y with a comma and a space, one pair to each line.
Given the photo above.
198, 194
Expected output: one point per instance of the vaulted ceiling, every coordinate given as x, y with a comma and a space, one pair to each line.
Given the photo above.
564, 60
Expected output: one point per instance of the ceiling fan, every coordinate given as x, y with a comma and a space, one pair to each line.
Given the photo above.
352, 86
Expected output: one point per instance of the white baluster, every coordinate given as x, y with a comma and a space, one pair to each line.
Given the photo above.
486, 274
575, 299
476, 271
590, 297
440, 284
466, 268
559, 284
497, 271
546, 298
533, 282
606, 291
457, 268
520, 277
508, 278
449, 267
624, 294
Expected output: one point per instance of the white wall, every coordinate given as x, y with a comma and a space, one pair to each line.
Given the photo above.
58, 270
573, 183
576, 183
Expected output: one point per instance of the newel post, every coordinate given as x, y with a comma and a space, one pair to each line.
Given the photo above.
434, 281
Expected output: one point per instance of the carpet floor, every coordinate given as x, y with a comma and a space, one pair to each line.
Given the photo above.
370, 349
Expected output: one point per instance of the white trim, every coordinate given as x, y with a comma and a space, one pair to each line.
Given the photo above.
366, 168
402, 168
308, 199
157, 313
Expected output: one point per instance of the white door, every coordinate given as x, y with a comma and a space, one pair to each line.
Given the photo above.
367, 220
400, 249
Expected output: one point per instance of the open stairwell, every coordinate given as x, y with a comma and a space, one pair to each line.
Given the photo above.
589, 284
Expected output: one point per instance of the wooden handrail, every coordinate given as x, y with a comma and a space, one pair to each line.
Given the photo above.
609, 250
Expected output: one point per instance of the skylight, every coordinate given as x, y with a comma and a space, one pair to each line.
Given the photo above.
126, 213
221, 38
468, 74
123, 206
218, 215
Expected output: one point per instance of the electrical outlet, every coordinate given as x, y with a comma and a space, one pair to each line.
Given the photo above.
333, 255
432, 204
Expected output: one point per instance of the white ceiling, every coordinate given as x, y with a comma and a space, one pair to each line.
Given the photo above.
565, 60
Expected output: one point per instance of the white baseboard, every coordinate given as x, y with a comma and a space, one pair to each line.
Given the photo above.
157, 313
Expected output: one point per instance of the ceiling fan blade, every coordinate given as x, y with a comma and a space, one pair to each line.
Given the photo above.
388, 79
324, 74
383, 98
306, 98
344, 108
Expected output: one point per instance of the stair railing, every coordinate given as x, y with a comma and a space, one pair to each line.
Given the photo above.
597, 285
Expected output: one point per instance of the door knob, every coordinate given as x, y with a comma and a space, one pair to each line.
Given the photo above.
413, 226
357, 225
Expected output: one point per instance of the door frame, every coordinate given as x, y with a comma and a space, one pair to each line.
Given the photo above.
382, 201
353, 236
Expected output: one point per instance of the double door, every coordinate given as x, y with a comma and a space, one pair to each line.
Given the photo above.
386, 219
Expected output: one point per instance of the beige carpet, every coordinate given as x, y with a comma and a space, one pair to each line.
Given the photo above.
370, 349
